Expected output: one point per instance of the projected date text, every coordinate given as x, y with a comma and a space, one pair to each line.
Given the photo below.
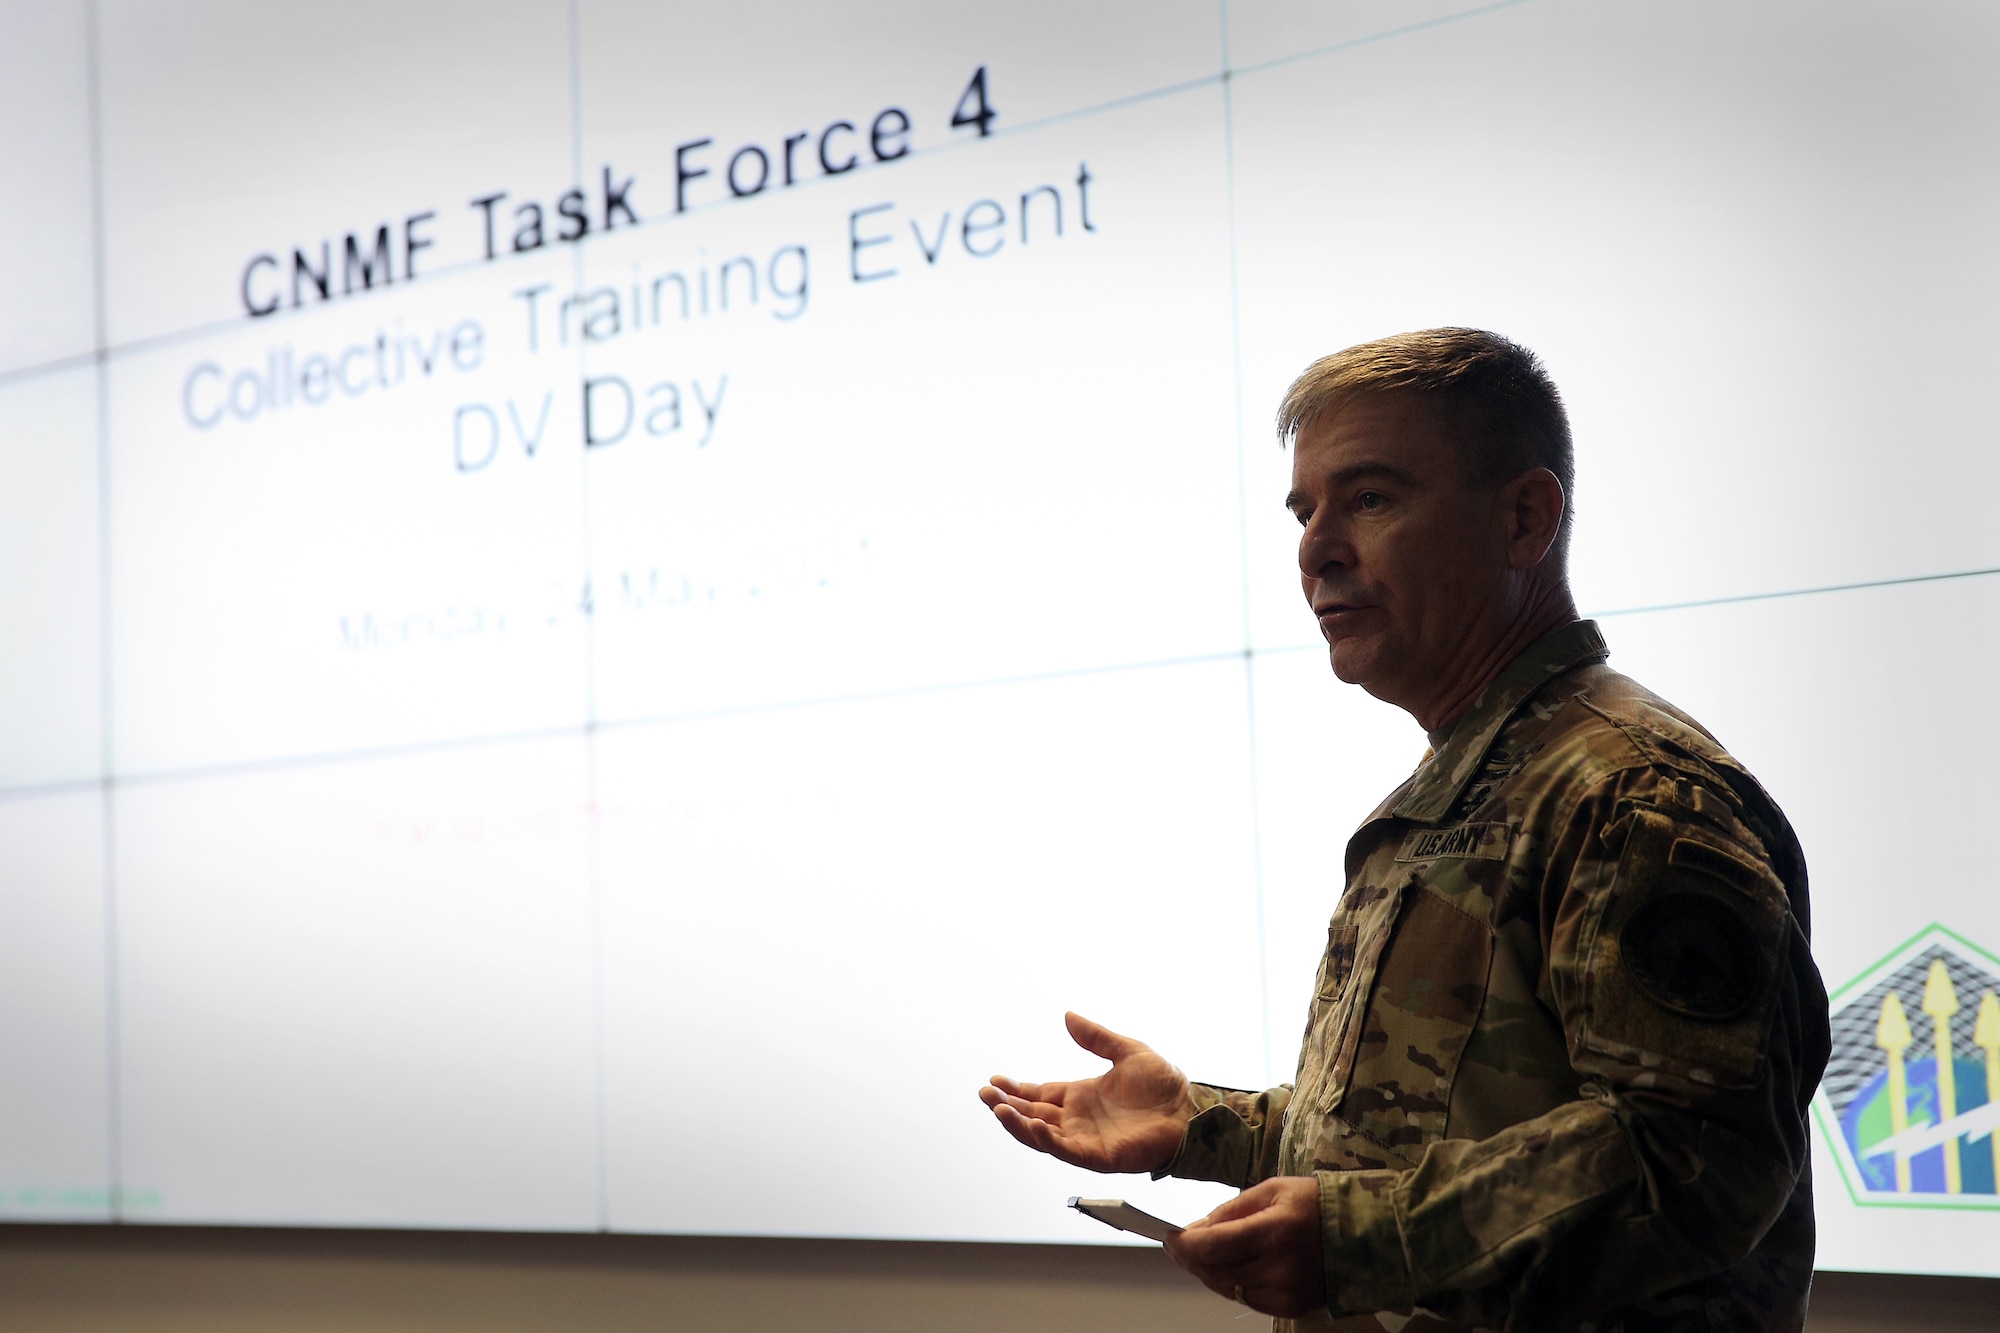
767, 574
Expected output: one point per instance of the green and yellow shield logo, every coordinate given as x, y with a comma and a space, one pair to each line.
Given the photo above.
1911, 1098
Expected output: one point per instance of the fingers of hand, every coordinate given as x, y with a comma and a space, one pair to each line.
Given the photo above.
1268, 1217
1033, 1109
1232, 1220
1044, 1137
1210, 1244
1028, 1129
1284, 1193
1261, 1247
1038, 1092
1261, 1282
1223, 1279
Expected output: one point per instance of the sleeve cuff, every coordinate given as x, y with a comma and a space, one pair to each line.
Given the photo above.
1367, 1268
1219, 1144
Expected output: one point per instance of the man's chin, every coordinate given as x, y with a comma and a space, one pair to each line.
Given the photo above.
1353, 663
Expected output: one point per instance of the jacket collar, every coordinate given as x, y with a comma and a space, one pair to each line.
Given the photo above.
1435, 787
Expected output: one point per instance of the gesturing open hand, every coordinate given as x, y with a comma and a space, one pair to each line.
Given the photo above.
1129, 1118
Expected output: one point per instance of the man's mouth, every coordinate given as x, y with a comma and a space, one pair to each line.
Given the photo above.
1337, 618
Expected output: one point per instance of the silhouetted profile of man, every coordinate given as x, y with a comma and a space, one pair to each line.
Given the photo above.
1557, 1064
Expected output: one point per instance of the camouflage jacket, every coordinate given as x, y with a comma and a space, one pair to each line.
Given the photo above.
1556, 1070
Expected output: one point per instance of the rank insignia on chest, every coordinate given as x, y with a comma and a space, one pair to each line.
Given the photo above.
1482, 842
1910, 1103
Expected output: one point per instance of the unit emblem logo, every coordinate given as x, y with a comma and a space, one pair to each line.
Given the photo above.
1911, 1099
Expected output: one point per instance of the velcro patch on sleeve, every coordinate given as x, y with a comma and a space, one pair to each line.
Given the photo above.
1684, 945
1693, 953
1480, 842
1716, 863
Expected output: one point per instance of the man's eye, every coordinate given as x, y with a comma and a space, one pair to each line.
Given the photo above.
1370, 499
1304, 516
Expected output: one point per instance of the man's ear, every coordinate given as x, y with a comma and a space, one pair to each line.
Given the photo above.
1533, 504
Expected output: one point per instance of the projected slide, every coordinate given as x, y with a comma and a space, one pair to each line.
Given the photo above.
608, 606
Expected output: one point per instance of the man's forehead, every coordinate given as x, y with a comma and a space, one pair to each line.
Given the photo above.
1398, 414
1390, 432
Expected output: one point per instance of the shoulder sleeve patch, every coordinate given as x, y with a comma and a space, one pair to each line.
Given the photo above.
1679, 953
1692, 953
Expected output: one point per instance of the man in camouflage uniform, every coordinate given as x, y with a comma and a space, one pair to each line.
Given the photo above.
1557, 1065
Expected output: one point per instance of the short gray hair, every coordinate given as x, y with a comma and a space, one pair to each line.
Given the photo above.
1494, 392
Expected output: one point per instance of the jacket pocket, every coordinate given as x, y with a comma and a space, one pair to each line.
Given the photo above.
1355, 941
1414, 1030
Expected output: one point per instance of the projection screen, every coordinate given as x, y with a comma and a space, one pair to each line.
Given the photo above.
607, 606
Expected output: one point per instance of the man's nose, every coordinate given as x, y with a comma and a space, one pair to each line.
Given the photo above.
1323, 551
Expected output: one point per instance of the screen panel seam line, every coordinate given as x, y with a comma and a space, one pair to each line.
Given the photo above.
40, 790
1861, 585
592, 829
238, 768
424, 747
113, 1059
1592, 613
1243, 547
1373, 38
74, 361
